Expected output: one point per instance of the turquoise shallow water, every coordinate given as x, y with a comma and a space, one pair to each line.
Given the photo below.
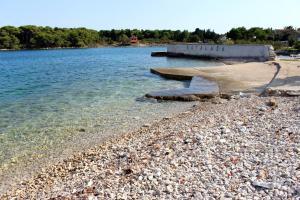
57, 101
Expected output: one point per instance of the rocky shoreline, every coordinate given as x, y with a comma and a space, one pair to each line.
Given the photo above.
243, 148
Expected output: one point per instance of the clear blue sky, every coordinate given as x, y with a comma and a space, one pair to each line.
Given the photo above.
219, 15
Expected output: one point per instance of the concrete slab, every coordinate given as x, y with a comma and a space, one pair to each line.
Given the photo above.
198, 88
255, 77
176, 73
248, 77
287, 80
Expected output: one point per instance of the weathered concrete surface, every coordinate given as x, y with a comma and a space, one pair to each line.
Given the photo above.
250, 77
231, 78
287, 80
199, 88
216, 51
176, 73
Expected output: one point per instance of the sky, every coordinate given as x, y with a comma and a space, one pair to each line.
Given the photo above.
218, 15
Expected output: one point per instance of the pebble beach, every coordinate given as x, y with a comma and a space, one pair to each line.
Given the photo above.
242, 148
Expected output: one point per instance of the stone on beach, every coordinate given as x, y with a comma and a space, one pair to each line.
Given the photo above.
213, 151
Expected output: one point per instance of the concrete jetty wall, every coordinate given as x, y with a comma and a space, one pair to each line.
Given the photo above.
244, 52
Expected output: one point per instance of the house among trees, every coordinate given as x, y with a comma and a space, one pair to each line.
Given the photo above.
134, 39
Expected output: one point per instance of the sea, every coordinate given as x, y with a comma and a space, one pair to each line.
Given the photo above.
54, 103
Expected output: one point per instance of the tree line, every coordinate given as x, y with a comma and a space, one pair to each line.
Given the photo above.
287, 37
37, 37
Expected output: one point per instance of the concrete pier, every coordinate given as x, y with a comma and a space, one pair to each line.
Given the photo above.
231, 52
244, 53
262, 78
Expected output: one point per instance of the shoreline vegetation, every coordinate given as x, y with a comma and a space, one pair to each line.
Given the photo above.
188, 156
39, 37
98, 46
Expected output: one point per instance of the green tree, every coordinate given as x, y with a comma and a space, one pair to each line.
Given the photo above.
258, 33
165, 37
184, 36
156, 34
297, 45
27, 34
29, 37
237, 33
194, 38
9, 42
199, 33
292, 40
123, 39
8, 38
